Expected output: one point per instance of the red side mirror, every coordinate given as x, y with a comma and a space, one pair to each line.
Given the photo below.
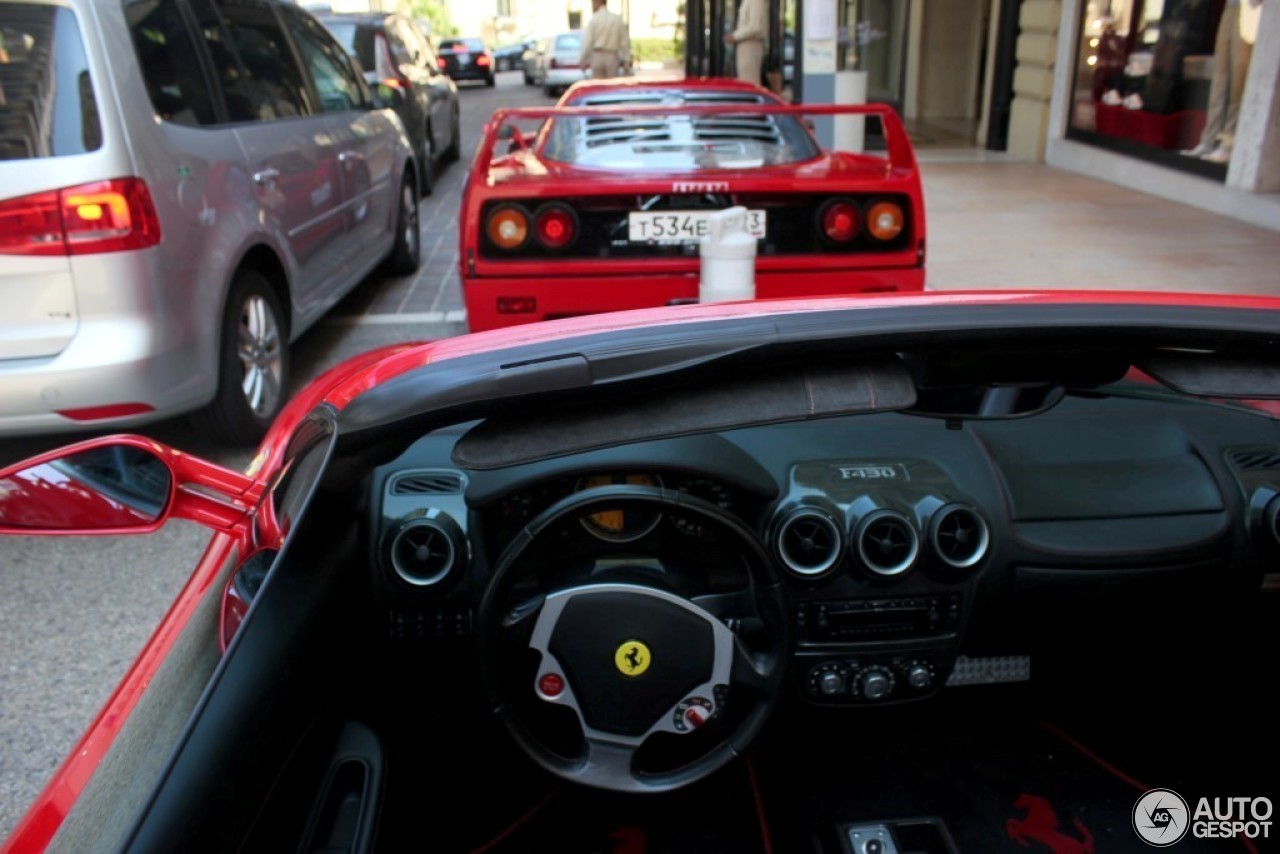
118, 485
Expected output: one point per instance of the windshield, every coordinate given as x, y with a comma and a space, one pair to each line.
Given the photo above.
461, 46
674, 142
569, 41
47, 106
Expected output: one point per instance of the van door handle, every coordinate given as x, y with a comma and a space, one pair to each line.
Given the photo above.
265, 177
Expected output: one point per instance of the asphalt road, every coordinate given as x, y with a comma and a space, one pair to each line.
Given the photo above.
74, 611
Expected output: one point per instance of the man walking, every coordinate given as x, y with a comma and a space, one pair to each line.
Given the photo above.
606, 44
748, 39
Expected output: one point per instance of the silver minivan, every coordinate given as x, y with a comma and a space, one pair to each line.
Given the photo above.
185, 186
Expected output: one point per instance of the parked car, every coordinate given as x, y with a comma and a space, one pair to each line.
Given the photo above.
510, 57
602, 207
557, 63
184, 188
466, 59
392, 52
820, 572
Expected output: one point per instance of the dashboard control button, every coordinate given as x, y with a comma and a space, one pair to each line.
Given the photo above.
919, 675
831, 679
876, 683
692, 713
551, 685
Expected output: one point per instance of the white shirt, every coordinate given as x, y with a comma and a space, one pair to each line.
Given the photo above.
606, 32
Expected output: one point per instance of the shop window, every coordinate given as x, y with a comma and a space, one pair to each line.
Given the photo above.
1162, 79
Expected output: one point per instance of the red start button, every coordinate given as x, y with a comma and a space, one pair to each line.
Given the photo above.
551, 685
696, 716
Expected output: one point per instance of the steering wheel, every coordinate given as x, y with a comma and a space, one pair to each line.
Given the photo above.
633, 659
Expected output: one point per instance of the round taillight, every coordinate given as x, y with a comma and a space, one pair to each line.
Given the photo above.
885, 220
840, 221
508, 227
555, 226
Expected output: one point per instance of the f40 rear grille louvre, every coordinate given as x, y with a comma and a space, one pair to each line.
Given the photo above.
758, 128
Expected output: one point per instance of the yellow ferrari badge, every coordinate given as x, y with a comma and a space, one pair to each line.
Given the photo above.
632, 658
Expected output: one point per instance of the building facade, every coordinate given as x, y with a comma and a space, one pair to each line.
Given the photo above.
1178, 98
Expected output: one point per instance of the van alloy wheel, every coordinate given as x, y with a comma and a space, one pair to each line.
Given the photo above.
260, 346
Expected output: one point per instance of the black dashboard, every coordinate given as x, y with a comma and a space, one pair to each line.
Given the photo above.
917, 552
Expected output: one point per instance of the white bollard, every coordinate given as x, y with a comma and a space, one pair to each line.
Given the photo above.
850, 131
728, 255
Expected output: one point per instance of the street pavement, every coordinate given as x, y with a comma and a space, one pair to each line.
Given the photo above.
74, 611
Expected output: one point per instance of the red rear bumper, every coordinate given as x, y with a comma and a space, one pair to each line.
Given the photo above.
543, 299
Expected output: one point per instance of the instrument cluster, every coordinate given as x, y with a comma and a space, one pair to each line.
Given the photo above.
622, 525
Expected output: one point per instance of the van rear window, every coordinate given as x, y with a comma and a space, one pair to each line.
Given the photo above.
47, 107
167, 56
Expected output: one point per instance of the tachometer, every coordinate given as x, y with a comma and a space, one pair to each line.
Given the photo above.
623, 524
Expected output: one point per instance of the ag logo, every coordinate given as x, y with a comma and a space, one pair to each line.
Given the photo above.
1161, 817
632, 658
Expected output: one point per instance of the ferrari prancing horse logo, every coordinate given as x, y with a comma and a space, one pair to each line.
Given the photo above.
632, 658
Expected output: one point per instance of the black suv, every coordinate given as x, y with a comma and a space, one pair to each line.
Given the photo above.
393, 53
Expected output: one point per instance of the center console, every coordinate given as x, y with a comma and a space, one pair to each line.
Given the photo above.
876, 650
883, 555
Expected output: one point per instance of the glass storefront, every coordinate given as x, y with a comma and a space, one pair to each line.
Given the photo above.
873, 38
1162, 79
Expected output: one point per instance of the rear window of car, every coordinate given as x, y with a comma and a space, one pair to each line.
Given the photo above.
47, 105
356, 39
178, 90
676, 142
572, 41
460, 45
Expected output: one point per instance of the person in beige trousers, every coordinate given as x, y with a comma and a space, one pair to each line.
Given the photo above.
748, 39
606, 46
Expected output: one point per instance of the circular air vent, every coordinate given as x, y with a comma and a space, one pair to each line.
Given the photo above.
423, 552
809, 542
959, 536
1271, 520
887, 543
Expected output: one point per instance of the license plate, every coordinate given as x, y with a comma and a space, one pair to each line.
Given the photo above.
464, 59
681, 226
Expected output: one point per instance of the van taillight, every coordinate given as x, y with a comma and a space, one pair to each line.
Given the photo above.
103, 216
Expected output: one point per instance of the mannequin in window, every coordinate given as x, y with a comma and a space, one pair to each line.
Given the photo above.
1232, 50
748, 39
